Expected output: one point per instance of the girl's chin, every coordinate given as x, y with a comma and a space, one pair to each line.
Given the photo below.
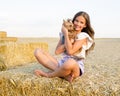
77, 29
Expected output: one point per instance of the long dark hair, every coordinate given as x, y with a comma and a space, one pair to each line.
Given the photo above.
88, 29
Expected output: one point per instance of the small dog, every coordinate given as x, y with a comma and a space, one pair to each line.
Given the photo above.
71, 31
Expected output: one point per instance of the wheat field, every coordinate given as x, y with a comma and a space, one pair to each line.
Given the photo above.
101, 77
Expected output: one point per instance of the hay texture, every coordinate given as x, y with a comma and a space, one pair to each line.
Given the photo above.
3, 34
101, 77
3, 37
2, 65
12, 39
19, 53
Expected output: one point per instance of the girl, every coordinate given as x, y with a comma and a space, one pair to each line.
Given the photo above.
71, 65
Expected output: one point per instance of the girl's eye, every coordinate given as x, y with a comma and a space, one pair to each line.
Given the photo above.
81, 22
76, 20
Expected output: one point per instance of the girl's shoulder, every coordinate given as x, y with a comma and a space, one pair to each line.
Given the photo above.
83, 35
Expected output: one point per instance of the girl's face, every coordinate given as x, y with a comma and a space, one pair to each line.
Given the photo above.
79, 23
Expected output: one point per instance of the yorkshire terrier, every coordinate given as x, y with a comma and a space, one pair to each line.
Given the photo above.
71, 30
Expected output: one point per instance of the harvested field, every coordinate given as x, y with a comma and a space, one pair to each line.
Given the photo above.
101, 77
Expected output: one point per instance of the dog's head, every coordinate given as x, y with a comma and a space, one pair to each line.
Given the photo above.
68, 24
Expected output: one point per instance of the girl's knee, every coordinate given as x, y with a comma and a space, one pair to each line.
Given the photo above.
70, 64
37, 52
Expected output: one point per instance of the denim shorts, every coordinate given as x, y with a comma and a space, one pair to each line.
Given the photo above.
79, 61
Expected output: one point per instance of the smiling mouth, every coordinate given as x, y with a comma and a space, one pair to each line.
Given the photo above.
77, 27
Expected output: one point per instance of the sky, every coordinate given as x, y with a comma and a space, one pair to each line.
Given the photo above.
43, 18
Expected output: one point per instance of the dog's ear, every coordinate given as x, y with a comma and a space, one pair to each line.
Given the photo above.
63, 20
69, 20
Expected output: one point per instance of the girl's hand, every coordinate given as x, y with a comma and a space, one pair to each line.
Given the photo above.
72, 40
64, 30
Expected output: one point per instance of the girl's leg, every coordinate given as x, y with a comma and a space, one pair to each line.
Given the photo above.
69, 68
46, 59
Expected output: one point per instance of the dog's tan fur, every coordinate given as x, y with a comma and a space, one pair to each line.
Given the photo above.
71, 30
69, 25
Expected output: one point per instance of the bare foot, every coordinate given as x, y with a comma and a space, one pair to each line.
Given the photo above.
69, 78
40, 73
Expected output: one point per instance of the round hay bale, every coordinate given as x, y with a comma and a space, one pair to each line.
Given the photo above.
3, 34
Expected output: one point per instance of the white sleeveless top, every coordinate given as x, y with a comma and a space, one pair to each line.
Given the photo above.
90, 41
80, 36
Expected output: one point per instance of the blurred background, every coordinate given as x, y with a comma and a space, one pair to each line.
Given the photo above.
43, 18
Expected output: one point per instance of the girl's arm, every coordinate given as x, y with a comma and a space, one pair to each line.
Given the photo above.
72, 48
76, 46
60, 48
